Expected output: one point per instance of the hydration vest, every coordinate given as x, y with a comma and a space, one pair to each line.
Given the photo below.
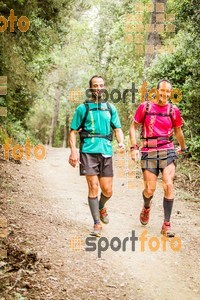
149, 113
83, 133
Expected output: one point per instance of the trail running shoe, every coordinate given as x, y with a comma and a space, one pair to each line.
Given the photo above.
104, 216
144, 215
166, 230
97, 230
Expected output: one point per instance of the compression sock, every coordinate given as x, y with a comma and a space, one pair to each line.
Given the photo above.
167, 205
146, 200
94, 208
103, 200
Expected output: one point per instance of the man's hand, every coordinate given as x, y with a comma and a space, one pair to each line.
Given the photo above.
73, 159
180, 138
180, 151
135, 155
121, 147
120, 139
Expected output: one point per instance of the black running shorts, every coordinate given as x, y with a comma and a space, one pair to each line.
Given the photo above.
156, 161
96, 164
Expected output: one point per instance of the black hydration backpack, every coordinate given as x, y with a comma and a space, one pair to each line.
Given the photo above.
86, 134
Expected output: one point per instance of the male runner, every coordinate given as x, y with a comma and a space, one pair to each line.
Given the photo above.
93, 120
159, 121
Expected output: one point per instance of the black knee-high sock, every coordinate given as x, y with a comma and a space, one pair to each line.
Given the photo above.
167, 205
146, 200
103, 200
94, 208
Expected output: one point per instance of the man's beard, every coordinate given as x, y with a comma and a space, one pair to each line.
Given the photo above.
163, 99
98, 96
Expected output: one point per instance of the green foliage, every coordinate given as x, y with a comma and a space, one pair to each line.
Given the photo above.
26, 58
194, 146
69, 41
181, 67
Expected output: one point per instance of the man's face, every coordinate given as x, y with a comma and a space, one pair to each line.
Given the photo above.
164, 90
97, 88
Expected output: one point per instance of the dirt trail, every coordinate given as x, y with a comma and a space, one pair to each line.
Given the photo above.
51, 205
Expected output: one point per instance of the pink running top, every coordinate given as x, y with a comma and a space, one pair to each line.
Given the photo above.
157, 126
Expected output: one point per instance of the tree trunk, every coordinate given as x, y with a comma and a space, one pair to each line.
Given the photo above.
66, 133
153, 38
55, 115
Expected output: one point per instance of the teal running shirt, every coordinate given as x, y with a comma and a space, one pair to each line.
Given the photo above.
97, 121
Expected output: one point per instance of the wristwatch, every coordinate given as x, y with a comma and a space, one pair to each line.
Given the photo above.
135, 147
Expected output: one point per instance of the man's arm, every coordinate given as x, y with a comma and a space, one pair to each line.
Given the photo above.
120, 138
75, 125
135, 154
180, 138
73, 158
116, 125
132, 133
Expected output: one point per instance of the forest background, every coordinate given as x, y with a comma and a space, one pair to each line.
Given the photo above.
48, 66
